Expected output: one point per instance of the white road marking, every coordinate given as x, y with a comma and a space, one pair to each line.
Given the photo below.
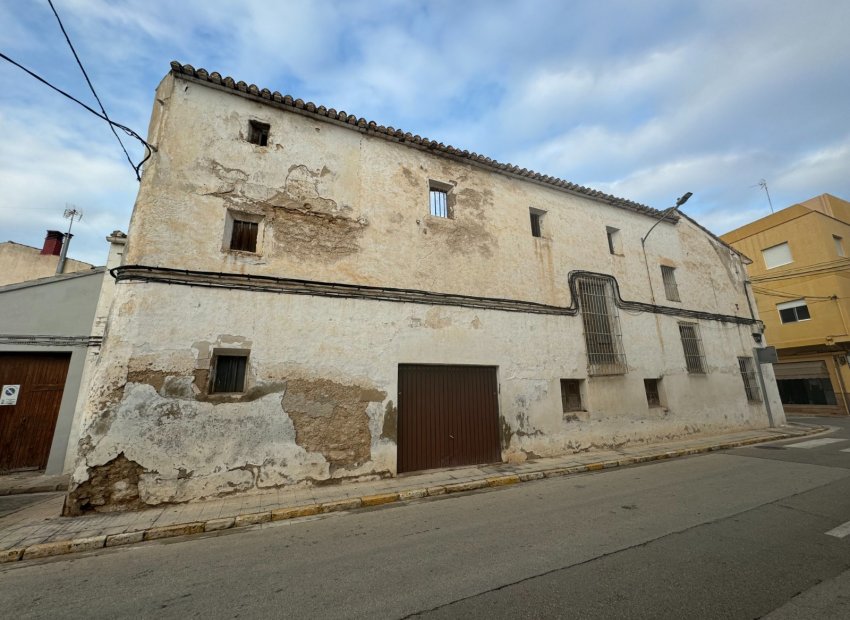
841, 531
814, 443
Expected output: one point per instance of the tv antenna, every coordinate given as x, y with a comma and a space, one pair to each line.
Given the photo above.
71, 213
763, 184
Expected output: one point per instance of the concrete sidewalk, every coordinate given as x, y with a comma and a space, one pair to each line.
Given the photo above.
37, 531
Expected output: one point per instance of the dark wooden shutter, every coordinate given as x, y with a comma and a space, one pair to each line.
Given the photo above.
229, 373
244, 236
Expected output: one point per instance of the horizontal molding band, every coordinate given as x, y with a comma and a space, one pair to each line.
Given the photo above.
291, 286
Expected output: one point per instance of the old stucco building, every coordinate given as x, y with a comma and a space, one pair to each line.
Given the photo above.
310, 297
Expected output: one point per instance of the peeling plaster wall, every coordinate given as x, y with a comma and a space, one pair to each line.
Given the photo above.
320, 402
344, 206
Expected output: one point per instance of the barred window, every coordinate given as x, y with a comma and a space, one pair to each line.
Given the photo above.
228, 373
605, 355
671, 290
439, 204
748, 374
692, 346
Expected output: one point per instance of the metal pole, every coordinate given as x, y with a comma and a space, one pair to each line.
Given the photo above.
71, 213
770, 419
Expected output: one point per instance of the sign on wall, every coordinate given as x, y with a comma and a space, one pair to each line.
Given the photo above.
9, 395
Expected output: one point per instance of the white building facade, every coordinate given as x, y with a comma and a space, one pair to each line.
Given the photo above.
307, 296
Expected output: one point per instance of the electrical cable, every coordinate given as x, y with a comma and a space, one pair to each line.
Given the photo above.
150, 149
91, 87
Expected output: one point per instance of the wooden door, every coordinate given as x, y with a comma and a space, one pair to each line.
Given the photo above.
26, 428
448, 416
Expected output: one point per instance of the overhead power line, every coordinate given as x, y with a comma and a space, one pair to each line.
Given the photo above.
91, 87
150, 149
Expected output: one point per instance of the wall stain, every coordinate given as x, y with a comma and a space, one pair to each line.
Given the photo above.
390, 428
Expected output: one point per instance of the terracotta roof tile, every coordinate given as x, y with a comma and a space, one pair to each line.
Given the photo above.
361, 124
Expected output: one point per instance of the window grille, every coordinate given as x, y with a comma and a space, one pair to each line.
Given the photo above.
692, 346
748, 374
793, 311
259, 133
244, 236
439, 203
653, 397
605, 355
229, 373
671, 290
571, 395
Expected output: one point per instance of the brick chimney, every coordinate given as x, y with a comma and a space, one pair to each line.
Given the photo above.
53, 243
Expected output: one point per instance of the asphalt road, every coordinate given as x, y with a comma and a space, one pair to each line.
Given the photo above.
738, 534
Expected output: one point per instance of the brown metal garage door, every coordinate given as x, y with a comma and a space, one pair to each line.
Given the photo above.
448, 416
26, 428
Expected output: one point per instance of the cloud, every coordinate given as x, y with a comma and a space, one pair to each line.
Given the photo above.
646, 100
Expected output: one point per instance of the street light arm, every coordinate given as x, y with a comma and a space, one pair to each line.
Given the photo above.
682, 200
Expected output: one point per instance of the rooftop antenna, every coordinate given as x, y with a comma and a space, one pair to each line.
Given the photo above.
763, 184
71, 213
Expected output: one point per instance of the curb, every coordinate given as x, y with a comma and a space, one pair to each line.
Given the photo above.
91, 543
34, 488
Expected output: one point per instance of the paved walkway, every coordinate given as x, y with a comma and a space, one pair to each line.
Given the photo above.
37, 530
31, 482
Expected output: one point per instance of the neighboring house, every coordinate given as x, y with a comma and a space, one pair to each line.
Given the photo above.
309, 297
50, 333
800, 277
19, 263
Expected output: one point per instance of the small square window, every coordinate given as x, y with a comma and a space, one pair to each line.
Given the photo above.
793, 311
258, 133
571, 395
839, 245
777, 255
615, 244
536, 222
228, 373
653, 396
439, 200
244, 236
671, 289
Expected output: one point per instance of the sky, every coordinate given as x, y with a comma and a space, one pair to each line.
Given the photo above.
643, 99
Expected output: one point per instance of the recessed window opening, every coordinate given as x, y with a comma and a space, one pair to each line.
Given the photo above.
671, 289
536, 222
258, 133
605, 355
614, 240
748, 374
653, 396
839, 245
244, 236
571, 395
793, 311
692, 347
777, 255
439, 203
229, 373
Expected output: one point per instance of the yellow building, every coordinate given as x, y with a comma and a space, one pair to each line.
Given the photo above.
801, 280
